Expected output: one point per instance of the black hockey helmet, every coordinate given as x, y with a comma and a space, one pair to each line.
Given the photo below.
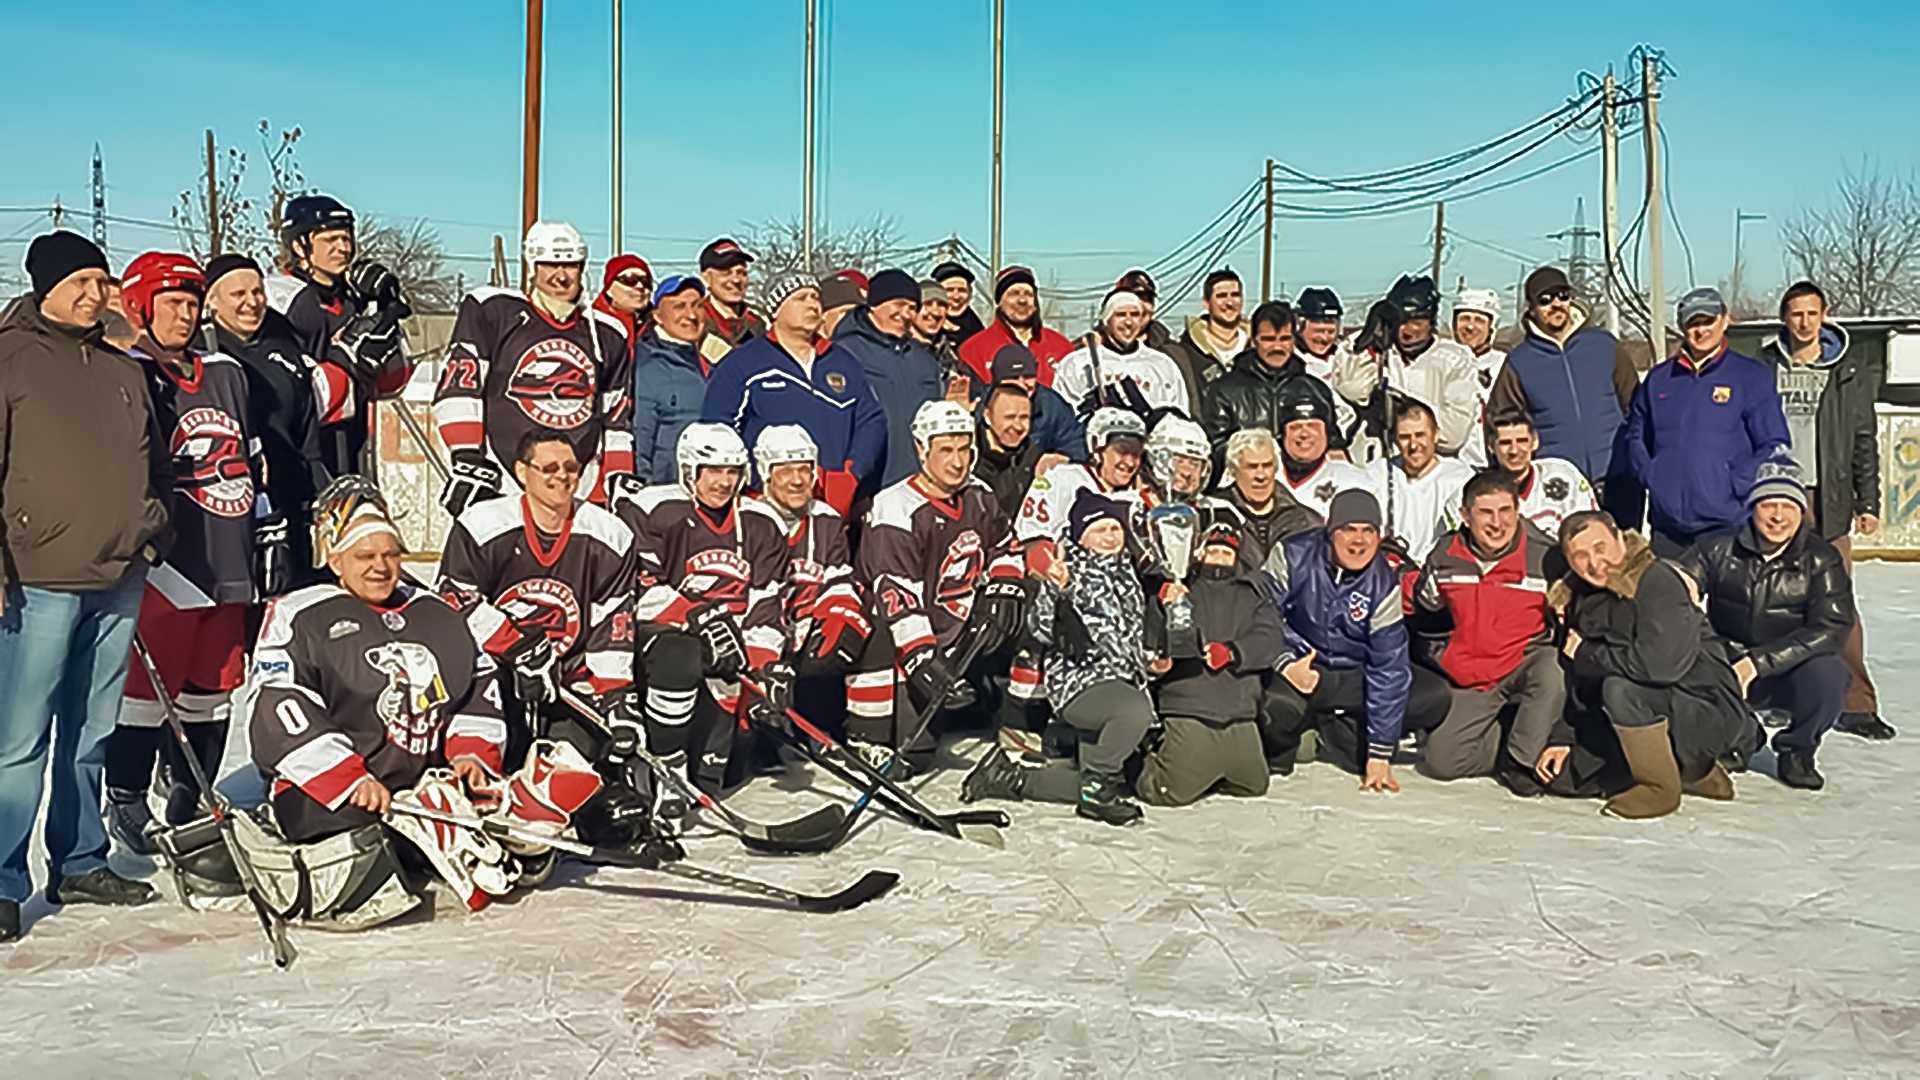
1414, 298
309, 214
1317, 304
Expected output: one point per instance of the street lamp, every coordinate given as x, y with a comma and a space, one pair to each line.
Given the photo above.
1740, 219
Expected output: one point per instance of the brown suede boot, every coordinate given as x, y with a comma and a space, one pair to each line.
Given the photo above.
1656, 776
1715, 785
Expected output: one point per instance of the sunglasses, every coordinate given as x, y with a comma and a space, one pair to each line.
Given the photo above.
1553, 295
633, 281
555, 468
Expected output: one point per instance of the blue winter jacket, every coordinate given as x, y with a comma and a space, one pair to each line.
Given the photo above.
759, 383
1350, 620
669, 387
1057, 429
1695, 435
1573, 394
904, 375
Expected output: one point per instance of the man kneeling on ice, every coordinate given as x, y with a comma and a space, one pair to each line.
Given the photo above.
368, 694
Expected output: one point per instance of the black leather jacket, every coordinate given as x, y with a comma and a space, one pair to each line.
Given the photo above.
1250, 395
1776, 612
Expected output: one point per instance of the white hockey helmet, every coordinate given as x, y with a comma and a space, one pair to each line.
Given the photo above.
1175, 436
707, 445
939, 417
553, 242
783, 444
1484, 301
1108, 422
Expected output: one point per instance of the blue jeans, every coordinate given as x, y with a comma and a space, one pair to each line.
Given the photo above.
63, 661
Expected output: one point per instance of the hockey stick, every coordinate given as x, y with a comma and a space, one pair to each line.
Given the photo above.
817, 831
271, 922
872, 884
899, 799
408, 421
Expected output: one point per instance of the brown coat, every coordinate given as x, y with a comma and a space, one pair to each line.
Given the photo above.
83, 472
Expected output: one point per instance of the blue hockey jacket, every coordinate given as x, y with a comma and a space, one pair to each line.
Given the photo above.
759, 383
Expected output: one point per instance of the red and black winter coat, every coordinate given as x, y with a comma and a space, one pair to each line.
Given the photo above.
1498, 605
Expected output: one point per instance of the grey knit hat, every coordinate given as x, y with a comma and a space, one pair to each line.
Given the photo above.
1777, 478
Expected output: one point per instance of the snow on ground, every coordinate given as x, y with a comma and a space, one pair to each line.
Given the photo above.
1451, 930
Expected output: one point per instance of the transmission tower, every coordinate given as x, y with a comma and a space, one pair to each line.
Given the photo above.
99, 200
1580, 270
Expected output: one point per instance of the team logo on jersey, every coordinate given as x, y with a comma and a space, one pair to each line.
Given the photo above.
720, 576
410, 703
552, 382
547, 604
342, 628
836, 382
953, 586
1555, 488
1326, 491
1722, 395
1357, 607
210, 463
393, 621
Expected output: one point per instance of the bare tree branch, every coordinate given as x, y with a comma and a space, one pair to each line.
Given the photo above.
1863, 247
416, 256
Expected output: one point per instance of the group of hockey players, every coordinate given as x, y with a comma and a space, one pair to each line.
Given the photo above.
1145, 568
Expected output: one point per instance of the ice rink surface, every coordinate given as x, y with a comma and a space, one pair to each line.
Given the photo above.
1451, 930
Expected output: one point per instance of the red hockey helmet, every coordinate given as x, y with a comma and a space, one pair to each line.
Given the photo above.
153, 273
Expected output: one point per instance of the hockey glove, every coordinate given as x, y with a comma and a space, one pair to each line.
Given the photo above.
535, 680
837, 487
928, 677
475, 479
723, 649
272, 554
623, 487
375, 284
769, 708
1001, 602
371, 341
840, 627
1218, 654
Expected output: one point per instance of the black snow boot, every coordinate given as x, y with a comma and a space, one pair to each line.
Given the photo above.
1104, 798
128, 820
9, 921
995, 777
101, 886
1866, 725
1795, 769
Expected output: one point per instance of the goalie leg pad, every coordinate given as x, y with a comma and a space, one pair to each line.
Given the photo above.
544, 794
473, 864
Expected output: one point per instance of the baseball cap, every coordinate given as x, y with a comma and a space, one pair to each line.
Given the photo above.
723, 253
673, 284
1014, 362
1544, 280
1703, 302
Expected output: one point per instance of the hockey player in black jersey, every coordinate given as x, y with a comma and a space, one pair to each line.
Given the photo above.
831, 639
347, 318
193, 614
540, 359
711, 570
941, 560
546, 583
283, 382
366, 692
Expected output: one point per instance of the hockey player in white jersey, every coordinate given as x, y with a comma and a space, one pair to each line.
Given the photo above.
1476, 315
1551, 489
1421, 494
1116, 359
1400, 331
540, 359
1116, 439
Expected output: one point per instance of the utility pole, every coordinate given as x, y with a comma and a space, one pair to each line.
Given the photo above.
1266, 247
1610, 200
99, 200
1439, 239
213, 199
617, 87
1656, 225
999, 116
497, 273
1740, 219
530, 125
806, 193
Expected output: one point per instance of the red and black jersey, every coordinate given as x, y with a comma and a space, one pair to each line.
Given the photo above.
217, 470
923, 556
512, 368
687, 558
343, 397
819, 565
341, 690
508, 576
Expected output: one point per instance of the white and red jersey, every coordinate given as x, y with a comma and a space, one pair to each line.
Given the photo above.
218, 473
819, 565
1043, 512
924, 556
507, 576
341, 690
688, 557
1551, 491
512, 368
1316, 489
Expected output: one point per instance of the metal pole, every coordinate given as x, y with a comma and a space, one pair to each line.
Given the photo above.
618, 86
806, 194
1439, 238
1656, 225
999, 117
1610, 199
1740, 221
530, 127
213, 199
1266, 247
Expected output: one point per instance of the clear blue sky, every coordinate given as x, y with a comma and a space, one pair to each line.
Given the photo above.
1129, 124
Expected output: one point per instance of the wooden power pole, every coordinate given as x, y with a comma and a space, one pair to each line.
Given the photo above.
1656, 284
999, 118
530, 125
213, 199
1266, 245
1439, 239
1610, 201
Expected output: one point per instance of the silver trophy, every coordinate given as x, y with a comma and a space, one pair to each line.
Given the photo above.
1172, 530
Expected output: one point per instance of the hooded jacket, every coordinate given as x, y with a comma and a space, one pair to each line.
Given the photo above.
669, 390
1498, 606
1577, 394
85, 477
904, 375
1351, 621
1104, 594
1230, 607
1777, 612
1844, 431
1695, 435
